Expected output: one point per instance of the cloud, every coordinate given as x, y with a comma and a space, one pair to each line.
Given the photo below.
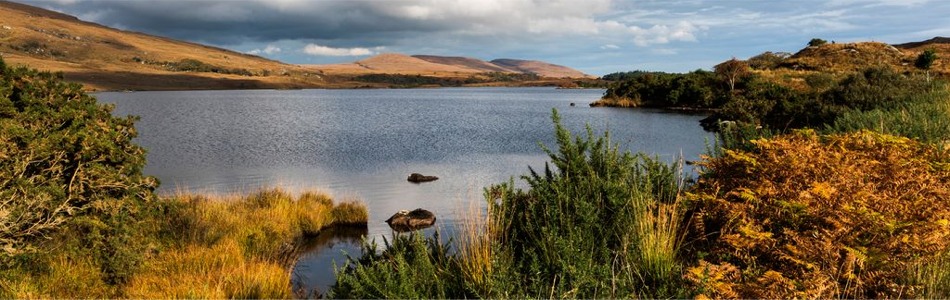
317, 50
270, 49
226, 22
609, 47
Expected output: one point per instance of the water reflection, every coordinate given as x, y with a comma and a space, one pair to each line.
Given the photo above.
313, 274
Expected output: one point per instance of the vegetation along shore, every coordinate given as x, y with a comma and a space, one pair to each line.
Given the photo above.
829, 178
78, 219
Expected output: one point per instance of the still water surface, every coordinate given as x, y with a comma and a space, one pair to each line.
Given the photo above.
364, 143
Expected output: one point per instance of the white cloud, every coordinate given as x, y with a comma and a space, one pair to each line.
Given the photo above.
318, 50
609, 47
874, 3
663, 34
270, 49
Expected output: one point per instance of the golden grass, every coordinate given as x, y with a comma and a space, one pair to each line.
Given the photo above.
219, 271
239, 246
475, 247
208, 247
67, 277
617, 102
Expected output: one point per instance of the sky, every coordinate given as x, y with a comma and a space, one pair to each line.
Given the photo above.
594, 36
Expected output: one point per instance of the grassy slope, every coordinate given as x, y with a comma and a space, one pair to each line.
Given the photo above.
106, 58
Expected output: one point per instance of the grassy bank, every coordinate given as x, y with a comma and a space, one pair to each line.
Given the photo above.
196, 246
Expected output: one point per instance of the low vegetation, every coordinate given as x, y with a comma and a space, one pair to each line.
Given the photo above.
78, 218
820, 216
599, 223
855, 207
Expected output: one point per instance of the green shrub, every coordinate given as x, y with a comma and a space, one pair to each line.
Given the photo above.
600, 223
411, 267
67, 164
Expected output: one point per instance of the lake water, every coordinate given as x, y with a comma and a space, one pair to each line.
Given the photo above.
362, 144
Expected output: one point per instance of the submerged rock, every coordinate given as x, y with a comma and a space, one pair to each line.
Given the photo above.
417, 178
416, 219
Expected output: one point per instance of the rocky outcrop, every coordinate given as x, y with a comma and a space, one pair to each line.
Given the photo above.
404, 220
418, 178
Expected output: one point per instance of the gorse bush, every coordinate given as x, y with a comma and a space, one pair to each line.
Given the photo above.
811, 216
411, 267
65, 161
601, 223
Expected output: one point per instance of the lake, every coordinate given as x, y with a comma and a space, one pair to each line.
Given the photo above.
362, 144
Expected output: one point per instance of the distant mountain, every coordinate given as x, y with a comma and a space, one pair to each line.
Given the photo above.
936, 40
394, 63
432, 65
466, 62
539, 67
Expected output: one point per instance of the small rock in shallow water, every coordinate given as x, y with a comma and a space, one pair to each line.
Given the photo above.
417, 178
416, 219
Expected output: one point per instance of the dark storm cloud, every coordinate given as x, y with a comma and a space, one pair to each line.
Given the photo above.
234, 22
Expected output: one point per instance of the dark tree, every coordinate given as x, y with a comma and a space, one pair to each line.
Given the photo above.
926, 60
815, 42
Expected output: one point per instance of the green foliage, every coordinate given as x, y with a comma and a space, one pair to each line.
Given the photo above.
410, 81
510, 77
67, 162
768, 60
619, 76
815, 42
194, 65
864, 97
596, 223
923, 121
411, 267
932, 276
696, 89
590, 227
926, 59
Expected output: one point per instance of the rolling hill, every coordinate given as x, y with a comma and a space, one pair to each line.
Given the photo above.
112, 59
105, 58
849, 57
450, 66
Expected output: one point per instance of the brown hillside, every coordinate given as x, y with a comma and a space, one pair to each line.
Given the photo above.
845, 57
104, 58
394, 63
539, 67
107, 58
939, 44
849, 57
447, 66
466, 62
